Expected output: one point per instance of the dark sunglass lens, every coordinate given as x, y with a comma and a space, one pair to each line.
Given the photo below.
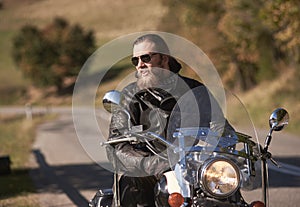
146, 58
135, 61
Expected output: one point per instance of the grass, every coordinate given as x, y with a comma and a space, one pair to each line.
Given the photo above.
11, 80
12, 84
281, 92
16, 137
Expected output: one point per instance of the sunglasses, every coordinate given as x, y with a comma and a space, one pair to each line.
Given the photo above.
144, 58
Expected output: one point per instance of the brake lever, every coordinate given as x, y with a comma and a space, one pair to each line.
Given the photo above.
267, 155
115, 141
275, 163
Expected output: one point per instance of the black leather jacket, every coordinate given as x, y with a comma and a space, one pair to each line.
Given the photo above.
151, 109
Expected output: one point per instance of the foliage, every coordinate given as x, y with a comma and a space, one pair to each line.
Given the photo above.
198, 8
49, 55
253, 37
261, 33
282, 18
249, 40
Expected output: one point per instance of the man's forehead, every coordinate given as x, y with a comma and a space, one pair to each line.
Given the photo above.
144, 48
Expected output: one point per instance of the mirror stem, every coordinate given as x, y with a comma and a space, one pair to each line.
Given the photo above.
268, 140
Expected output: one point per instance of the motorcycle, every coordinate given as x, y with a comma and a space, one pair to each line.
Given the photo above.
208, 166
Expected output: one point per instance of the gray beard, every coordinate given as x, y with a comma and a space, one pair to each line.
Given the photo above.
148, 81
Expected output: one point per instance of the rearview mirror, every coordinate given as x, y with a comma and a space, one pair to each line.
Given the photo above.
278, 119
112, 100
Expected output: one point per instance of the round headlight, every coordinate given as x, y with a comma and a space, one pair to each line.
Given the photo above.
220, 177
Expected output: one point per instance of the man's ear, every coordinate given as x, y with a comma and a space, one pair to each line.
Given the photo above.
165, 61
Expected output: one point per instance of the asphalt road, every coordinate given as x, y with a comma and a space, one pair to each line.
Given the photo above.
63, 172
67, 176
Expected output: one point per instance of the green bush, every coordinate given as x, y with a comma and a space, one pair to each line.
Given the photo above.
47, 56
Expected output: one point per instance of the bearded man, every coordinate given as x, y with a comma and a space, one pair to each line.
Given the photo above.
149, 101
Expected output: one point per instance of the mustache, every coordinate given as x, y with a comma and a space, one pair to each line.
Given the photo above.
156, 71
138, 73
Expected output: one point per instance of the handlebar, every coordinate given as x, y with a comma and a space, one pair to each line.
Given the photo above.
136, 137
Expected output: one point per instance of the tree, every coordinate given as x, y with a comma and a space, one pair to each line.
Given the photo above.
50, 55
261, 32
282, 18
245, 39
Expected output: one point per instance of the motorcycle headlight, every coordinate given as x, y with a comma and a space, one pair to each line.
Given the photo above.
220, 177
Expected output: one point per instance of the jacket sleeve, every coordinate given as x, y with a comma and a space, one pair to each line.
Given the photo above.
131, 162
128, 158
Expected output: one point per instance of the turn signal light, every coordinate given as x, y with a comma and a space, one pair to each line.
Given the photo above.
175, 200
257, 204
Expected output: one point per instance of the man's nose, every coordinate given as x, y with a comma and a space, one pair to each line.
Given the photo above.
141, 64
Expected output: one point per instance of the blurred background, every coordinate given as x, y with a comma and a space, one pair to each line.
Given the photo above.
254, 45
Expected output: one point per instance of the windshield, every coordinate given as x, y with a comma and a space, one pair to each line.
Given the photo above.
203, 122
228, 132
